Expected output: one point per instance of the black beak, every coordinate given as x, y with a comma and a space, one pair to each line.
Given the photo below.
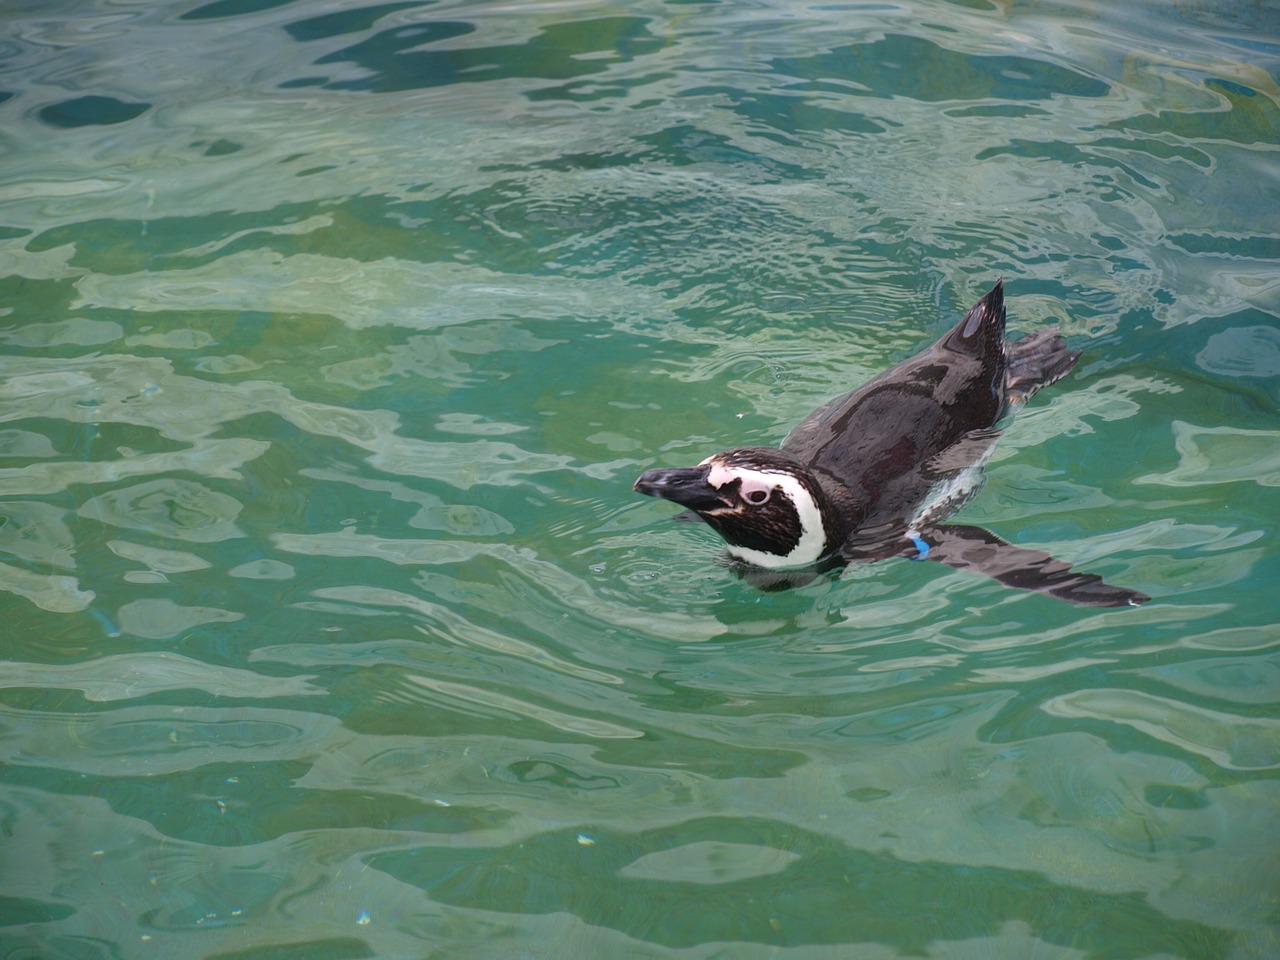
686, 486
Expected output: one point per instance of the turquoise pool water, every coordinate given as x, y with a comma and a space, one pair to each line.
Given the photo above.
333, 336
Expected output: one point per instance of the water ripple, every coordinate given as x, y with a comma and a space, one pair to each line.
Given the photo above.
1228, 740
125, 676
333, 336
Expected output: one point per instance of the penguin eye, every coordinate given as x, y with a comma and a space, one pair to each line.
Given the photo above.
756, 494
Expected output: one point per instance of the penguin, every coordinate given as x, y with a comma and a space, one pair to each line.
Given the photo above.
871, 474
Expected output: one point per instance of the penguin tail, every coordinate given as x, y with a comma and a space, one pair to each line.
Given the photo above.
1037, 361
981, 332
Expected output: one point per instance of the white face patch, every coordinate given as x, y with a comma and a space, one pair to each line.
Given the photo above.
757, 488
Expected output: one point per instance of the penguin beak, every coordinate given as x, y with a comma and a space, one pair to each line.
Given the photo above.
686, 486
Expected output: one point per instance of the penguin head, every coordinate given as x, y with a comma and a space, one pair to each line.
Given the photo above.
768, 507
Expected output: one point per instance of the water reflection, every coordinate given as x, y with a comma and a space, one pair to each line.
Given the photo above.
333, 335
607, 886
397, 57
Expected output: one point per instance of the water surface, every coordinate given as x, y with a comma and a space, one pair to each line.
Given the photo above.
334, 334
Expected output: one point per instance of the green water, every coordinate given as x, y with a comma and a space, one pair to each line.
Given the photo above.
332, 337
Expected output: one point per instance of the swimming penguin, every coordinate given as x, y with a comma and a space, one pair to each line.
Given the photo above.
870, 474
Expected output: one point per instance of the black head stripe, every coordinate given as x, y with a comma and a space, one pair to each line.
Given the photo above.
772, 528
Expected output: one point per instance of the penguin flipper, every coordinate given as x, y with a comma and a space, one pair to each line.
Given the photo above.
973, 548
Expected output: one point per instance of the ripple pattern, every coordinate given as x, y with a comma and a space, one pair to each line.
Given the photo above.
333, 335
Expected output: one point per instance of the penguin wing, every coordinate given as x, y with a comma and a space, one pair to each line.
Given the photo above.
973, 548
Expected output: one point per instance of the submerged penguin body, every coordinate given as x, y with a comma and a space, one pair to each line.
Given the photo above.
869, 475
